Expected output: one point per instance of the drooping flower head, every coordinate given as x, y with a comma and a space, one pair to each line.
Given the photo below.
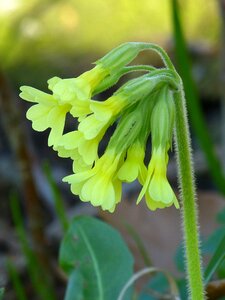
157, 190
100, 184
140, 107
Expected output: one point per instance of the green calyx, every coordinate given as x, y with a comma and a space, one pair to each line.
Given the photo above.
162, 118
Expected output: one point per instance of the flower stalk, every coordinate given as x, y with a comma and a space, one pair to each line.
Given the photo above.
188, 196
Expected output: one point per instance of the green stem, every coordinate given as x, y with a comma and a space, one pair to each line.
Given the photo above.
189, 207
164, 56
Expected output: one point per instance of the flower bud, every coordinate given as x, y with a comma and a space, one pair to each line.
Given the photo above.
120, 56
162, 119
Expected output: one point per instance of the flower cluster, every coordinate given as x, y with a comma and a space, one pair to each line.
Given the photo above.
142, 107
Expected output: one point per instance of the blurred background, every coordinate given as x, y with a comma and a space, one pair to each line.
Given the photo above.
40, 39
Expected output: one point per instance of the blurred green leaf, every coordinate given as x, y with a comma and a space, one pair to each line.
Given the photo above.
182, 285
157, 283
180, 258
140, 244
221, 216
57, 197
2, 290
74, 289
16, 282
101, 257
40, 282
193, 103
210, 245
216, 260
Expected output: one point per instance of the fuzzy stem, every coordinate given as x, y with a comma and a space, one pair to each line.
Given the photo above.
189, 207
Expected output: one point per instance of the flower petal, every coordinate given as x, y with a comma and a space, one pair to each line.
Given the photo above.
88, 149
56, 119
91, 127
34, 95
38, 115
160, 190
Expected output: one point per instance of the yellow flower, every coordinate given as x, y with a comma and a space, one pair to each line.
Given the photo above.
79, 165
92, 127
104, 114
157, 190
78, 91
134, 166
99, 185
72, 95
105, 110
87, 149
47, 113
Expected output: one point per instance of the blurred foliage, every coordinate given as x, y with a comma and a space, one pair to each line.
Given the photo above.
193, 100
53, 33
96, 259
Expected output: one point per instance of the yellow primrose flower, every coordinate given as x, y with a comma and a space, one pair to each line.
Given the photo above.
78, 91
75, 140
47, 113
104, 114
157, 189
99, 185
92, 127
79, 164
72, 95
105, 110
134, 166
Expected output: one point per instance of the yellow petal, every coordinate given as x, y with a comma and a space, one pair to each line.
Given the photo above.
117, 184
146, 184
129, 171
88, 149
99, 191
56, 119
104, 111
160, 190
52, 82
153, 205
38, 115
77, 181
72, 89
62, 152
80, 109
33, 95
91, 127
37, 111
78, 163
71, 140
101, 111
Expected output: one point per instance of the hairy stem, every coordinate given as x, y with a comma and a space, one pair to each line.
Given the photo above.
189, 207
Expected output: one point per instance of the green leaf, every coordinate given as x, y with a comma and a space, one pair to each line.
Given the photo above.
57, 197
158, 282
2, 290
216, 260
221, 216
41, 283
180, 258
74, 287
211, 244
140, 244
16, 282
101, 257
193, 102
